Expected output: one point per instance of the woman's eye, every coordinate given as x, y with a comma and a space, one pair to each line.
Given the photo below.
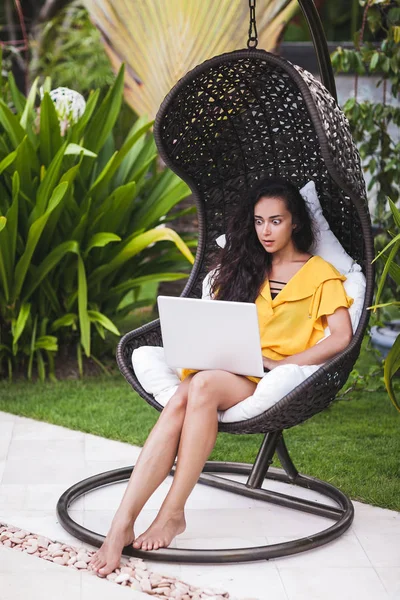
258, 222
276, 221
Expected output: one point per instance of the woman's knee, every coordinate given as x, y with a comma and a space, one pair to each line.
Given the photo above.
178, 401
202, 388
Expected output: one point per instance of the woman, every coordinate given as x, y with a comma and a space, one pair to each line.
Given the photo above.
266, 260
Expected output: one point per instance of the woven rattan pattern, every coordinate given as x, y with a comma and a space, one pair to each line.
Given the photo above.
337, 130
229, 122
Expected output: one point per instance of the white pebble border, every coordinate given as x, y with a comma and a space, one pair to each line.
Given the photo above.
132, 573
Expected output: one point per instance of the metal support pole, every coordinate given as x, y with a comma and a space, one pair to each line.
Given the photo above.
285, 460
263, 460
320, 45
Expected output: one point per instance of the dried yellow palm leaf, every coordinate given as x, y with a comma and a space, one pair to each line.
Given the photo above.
160, 40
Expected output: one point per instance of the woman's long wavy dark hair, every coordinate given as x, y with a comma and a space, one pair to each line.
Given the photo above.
243, 264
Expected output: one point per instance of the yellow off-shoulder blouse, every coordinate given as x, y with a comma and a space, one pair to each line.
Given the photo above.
295, 319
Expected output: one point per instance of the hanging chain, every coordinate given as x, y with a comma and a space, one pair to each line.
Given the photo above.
253, 39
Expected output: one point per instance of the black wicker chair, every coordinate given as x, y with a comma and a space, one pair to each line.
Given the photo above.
230, 121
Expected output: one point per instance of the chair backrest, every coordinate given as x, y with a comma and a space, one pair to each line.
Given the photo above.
248, 114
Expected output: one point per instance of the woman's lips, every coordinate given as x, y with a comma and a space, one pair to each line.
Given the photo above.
268, 242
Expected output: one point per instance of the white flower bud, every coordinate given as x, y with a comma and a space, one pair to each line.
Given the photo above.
69, 104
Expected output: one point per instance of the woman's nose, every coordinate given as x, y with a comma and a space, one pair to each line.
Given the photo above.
267, 228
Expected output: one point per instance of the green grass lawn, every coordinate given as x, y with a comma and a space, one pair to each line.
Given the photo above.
355, 444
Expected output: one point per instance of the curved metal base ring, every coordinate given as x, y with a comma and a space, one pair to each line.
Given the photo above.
343, 514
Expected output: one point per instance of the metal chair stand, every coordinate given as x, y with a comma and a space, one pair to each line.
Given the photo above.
342, 514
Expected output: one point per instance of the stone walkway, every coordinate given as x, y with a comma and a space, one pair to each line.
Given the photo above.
39, 461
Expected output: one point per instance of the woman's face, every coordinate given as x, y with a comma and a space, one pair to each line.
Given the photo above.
273, 224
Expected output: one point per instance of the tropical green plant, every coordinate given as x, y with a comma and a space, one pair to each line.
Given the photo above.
391, 268
68, 49
160, 41
81, 225
376, 125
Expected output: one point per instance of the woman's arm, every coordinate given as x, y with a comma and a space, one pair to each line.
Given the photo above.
341, 333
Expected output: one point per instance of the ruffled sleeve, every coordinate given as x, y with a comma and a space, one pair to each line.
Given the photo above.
329, 296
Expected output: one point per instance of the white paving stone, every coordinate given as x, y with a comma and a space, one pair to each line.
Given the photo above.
345, 551
391, 580
2, 467
374, 520
62, 451
49, 469
12, 496
6, 429
11, 418
27, 429
332, 584
259, 580
100, 449
382, 550
45, 497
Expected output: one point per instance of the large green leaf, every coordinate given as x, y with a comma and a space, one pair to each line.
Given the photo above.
103, 120
32, 347
395, 213
84, 321
8, 239
144, 159
47, 342
17, 97
58, 219
136, 245
10, 122
75, 149
12, 221
7, 161
392, 365
394, 240
101, 239
68, 320
48, 184
117, 158
129, 160
77, 130
4, 275
19, 325
139, 281
98, 317
50, 140
115, 209
51, 261
391, 257
156, 207
28, 112
34, 234
26, 163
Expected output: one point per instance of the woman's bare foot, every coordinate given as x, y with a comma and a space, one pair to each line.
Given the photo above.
108, 557
162, 531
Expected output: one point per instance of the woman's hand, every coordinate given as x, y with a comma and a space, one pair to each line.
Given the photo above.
270, 364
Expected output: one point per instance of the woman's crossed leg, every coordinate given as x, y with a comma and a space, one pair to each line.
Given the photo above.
187, 427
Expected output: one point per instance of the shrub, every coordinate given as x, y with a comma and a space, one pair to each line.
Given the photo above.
78, 219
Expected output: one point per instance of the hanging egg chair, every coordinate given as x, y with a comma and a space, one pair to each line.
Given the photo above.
230, 121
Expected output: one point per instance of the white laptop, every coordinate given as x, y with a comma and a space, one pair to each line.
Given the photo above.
211, 334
